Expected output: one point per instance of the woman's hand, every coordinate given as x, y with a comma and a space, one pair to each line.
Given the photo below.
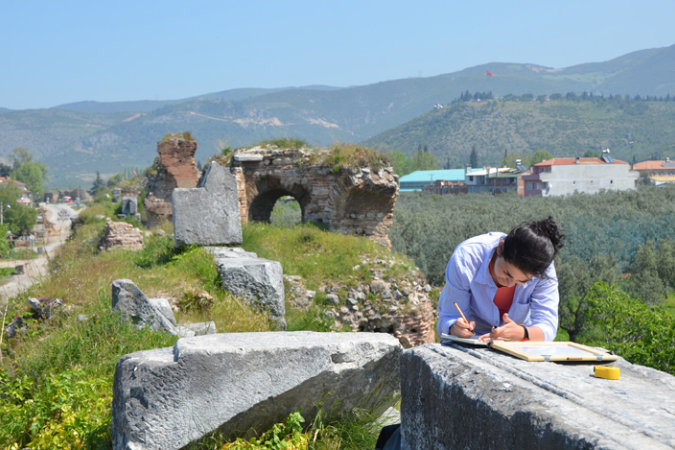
510, 331
462, 329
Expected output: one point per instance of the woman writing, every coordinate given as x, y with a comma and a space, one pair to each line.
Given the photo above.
506, 285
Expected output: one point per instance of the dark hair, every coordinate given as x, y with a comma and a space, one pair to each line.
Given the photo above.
532, 246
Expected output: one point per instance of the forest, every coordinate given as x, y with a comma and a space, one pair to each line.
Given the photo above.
617, 263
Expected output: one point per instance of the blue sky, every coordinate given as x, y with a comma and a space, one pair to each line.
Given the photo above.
61, 52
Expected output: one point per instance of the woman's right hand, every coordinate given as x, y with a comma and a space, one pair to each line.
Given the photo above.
462, 329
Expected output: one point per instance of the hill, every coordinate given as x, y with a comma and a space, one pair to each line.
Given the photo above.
566, 126
77, 139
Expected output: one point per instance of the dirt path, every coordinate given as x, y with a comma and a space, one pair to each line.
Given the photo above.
35, 270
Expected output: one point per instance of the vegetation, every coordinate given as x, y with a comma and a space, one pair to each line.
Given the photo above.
284, 143
621, 238
184, 135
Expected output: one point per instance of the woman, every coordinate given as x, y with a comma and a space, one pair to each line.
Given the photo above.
505, 285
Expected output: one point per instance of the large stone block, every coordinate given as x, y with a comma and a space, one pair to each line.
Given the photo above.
209, 213
258, 281
166, 398
457, 397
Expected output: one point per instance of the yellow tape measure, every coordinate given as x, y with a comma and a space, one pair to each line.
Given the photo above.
607, 372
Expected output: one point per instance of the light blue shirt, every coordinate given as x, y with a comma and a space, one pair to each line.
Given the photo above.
469, 283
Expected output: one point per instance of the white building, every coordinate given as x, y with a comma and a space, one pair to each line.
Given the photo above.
562, 176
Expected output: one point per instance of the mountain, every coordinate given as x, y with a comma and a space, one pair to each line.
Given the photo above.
563, 126
75, 140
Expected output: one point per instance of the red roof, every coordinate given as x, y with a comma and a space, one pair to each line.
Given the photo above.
651, 165
573, 161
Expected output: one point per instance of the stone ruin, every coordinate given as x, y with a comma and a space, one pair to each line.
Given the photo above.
121, 235
356, 200
175, 167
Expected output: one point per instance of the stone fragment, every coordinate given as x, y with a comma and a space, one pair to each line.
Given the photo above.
166, 398
459, 397
196, 329
136, 307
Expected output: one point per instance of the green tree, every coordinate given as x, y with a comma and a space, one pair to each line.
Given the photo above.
473, 158
32, 173
645, 281
98, 185
539, 156
666, 262
425, 160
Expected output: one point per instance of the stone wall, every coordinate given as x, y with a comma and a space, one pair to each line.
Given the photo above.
358, 200
175, 168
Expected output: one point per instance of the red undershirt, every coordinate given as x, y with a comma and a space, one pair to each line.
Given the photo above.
503, 297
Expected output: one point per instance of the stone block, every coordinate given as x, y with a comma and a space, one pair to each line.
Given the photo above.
166, 398
458, 397
196, 329
258, 281
209, 213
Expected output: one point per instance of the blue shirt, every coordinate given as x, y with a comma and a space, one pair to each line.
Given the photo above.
469, 283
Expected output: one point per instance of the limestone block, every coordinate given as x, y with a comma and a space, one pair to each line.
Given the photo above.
168, 397
135, 306
457, 397
258, 281
208, 214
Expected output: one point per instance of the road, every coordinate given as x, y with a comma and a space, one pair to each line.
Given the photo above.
61, 216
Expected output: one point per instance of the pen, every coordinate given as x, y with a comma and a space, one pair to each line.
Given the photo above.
462, 314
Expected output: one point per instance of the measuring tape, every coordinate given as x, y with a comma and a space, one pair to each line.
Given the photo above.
607, 372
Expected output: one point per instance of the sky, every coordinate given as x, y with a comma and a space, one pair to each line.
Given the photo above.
54, 53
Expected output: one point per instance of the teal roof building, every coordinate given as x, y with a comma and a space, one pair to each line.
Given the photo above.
416, 180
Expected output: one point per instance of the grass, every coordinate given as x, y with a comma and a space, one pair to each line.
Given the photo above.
56, 379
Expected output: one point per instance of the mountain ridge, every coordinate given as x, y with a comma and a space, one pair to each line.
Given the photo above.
124, 134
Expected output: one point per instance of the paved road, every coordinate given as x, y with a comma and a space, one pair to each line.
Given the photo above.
61, 216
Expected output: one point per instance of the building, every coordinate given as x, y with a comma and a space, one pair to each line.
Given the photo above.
660, 172
495, 180
416, 181
562, 176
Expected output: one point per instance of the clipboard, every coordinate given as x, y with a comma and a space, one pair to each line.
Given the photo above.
466, 341
552, 351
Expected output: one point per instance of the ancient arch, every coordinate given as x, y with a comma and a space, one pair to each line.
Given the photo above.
355, 200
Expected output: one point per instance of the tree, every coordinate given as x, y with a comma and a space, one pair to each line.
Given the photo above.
18, 217
425, 160
473, 158
32, 173
646, 282
539, 156
98, 185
